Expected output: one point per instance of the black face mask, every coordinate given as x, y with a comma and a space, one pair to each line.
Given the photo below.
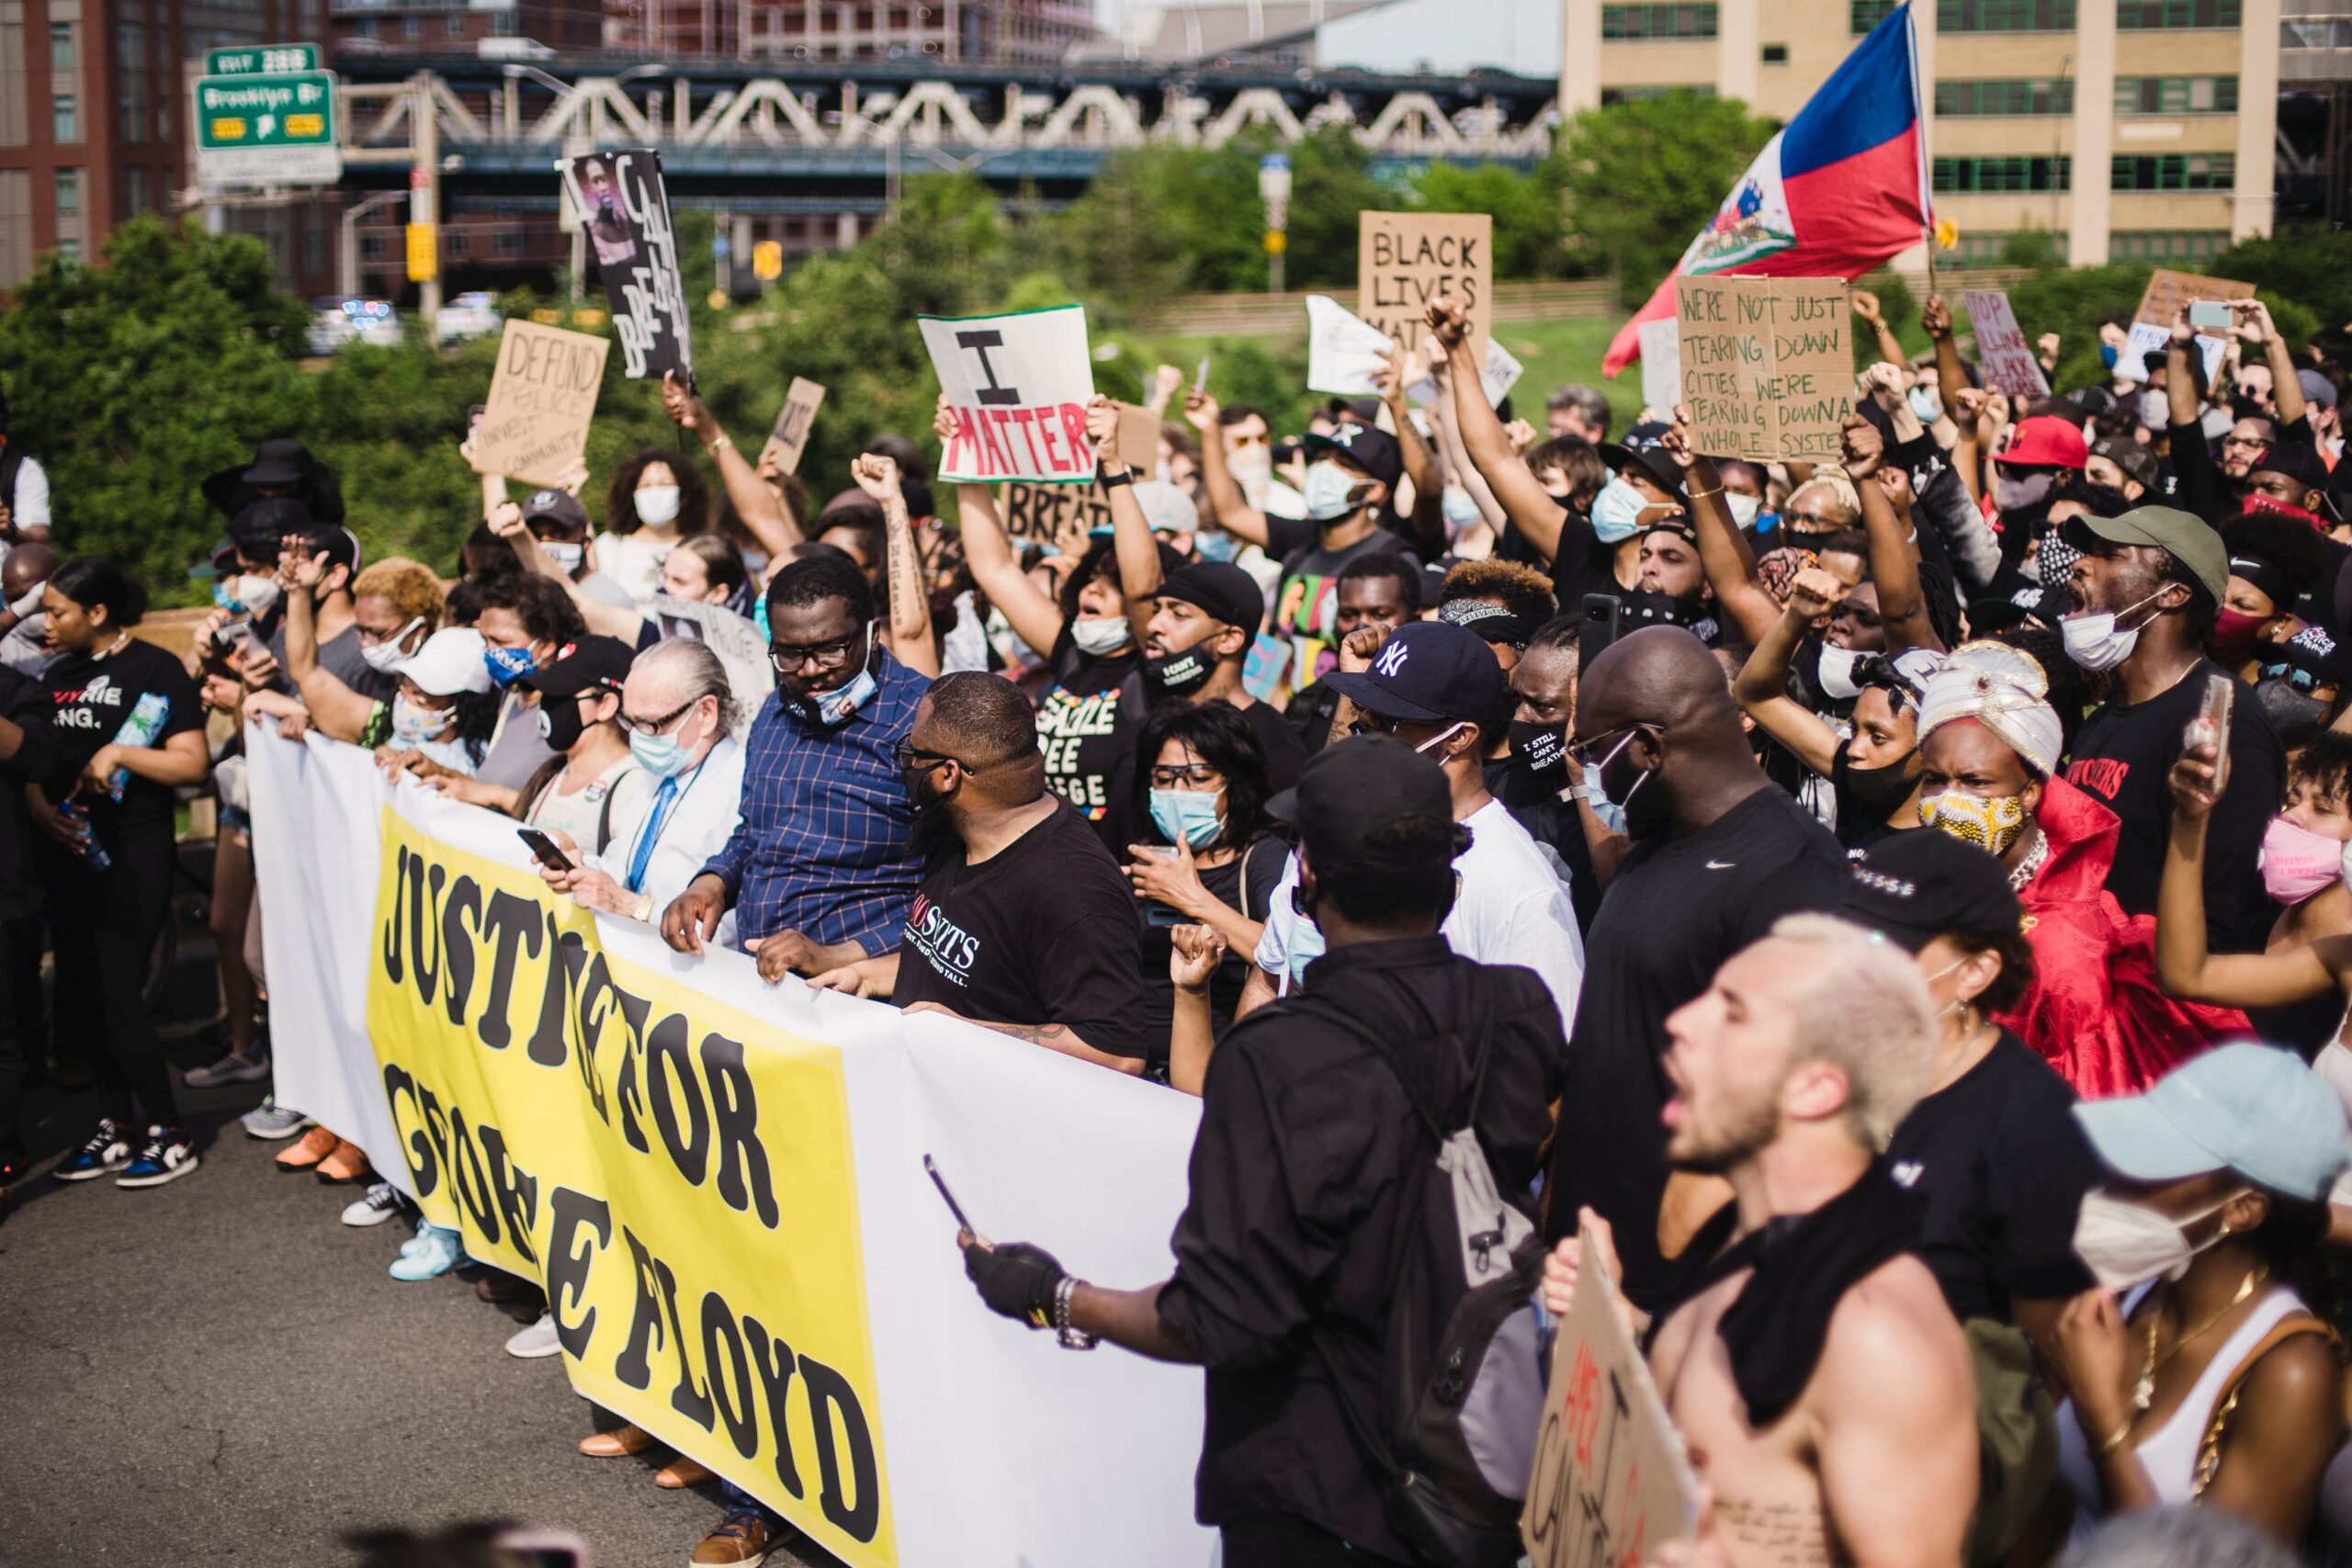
1876, 792
1185, 671
933, 828
561, 723
1540, 748
2295, 716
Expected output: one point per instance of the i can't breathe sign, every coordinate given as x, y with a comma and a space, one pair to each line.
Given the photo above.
1017, 385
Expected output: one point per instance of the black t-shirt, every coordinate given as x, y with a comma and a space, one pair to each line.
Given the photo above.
1264, 858
1310, 715
2003, 1168
1585, 565
1089, 740
1533, 800
1284, 748
1676, 908
2121, 758
1307, 598
90, 698
1043, 931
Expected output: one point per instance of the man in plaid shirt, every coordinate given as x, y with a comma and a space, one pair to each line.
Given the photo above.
820, 872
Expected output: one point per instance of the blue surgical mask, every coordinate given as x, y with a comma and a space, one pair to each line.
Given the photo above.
1461, 511
831, 710
1215, 544
508, 665
1326, 492
1305, 946
2106, 354
1925, 404
1609, 813
663, 756
1616, 512
1186, 816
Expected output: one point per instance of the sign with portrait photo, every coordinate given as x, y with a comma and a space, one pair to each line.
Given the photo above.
625, 215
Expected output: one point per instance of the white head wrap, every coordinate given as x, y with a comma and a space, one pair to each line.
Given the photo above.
2004, 690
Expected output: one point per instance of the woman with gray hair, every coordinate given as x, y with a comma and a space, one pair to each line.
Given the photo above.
681, 719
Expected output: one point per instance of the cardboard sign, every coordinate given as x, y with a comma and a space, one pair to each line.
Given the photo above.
1054, 513
1611, 1482
793, 421
1661, 366
1768, 365
542, 397
626, 215
2001, 347
1138, 441
1018, 386
2168, 290
735, 638
1406, 261
1343, 351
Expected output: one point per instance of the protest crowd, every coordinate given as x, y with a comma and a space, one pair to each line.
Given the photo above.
1887, 910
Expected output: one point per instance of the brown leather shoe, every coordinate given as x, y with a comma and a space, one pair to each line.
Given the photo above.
499, 1288
344, 1163
740, 1542
618, 1443
316, 1145
682, 1472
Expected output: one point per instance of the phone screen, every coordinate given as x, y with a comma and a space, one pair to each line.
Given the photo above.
544, 848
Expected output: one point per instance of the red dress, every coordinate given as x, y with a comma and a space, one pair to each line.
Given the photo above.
2095, 1011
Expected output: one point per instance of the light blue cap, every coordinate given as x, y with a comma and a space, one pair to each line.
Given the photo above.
2253, 1109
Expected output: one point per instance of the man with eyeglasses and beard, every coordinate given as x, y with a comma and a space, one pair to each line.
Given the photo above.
820, 868
1024, 923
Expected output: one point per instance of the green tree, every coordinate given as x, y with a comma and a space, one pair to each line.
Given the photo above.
1643, 177
1530, 231
2311, 266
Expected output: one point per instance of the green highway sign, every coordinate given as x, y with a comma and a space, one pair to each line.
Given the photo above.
262, 59
267, 129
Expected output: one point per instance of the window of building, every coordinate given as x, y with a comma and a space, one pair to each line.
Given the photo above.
1993, 250
2315, 32
454, 25
363, 27
1961, 174
2176, 95
371, 247
2192, 245
131, 105
134, 191
69, 250
61, 46
65, 121
1776, 54
2151, 16
458, 243
1621, 22
1964, 99
412, 27
508, 243
1861, 16
1644, 94
2175, 171
2004, 15
69, 191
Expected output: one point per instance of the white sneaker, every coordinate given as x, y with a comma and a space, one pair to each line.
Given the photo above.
383, 1201
539, 1339
230, 1068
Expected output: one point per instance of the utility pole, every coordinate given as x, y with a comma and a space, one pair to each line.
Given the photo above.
424, 192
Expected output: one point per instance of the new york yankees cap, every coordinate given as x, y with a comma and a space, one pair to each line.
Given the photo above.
1428, 673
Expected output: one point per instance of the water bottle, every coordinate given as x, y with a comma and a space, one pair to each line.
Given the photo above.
93, 854
146, 723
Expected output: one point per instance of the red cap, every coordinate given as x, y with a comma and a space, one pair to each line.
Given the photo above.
2047, 442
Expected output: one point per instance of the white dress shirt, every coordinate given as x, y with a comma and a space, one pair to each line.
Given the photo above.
687, 834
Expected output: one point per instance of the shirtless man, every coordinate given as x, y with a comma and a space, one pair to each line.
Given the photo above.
1839, 1426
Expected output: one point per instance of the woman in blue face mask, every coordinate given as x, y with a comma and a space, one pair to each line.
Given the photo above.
1210, 858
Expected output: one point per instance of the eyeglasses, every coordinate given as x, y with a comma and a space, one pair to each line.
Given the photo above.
2243, 444
1580, 751
656, 726
1370, 723
1198, 775
915, 758
832, 654
1818, 519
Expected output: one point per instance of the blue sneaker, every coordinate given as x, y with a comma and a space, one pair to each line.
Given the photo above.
435, 1251
106, 1150
168, 1155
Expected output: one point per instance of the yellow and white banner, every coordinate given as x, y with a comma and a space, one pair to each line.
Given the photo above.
719, 1183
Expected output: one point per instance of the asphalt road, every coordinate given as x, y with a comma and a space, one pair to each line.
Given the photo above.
218, 1371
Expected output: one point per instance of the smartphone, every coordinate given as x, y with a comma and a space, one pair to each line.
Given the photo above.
931, 1171
1201, 378
2211, 725
234, 639
1156, 913
548, 851
1604, 617
2212, 313
473, 417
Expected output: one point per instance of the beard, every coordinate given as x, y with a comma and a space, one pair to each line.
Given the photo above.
1715, 1150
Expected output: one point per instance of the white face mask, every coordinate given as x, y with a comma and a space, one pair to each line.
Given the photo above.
1743, 508
1252, 468
385, 654
657, 504
2124, 1245
1926, 405
1617, 511
2094, 642
1101, 635
567, 557
1837, 672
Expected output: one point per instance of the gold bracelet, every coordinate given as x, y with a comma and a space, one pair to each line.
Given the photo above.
2122, 1435
1703, 495
712, 448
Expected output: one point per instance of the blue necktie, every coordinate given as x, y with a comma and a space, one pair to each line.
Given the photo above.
663, 798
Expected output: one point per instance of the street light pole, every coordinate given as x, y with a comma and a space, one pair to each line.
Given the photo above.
350, 269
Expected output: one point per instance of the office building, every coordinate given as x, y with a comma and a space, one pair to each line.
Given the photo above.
995, 32
442, 27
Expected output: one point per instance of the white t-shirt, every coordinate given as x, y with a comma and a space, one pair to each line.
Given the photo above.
582, 813
1513, 908
29, 508
634, 560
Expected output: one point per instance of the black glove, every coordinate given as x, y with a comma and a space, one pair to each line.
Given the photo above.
1016, 1280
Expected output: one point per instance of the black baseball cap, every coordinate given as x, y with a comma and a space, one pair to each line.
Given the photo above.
1353, 789
258, 533
2298, 460
559, 507
338, 544
1914, 886
1371, 450
2137, 460
1428, 673
593, 663
1219, 588
1645, 447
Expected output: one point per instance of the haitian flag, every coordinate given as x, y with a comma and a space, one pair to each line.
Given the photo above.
1841, 189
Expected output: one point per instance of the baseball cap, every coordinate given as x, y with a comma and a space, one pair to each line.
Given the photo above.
449, 662
259, 531
1166, 507
1645, 445
587, 665
2192, 541
1916, 886
2246, 1106
558, 507
1351, 790
1223, 589
2298, 460
1428, 672
2317, 389
339, 545
2045, 441
1369, 450
2135, 458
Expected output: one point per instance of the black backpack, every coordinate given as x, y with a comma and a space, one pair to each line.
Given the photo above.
1462, 1377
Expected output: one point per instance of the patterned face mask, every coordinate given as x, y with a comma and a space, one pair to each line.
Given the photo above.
1991, 824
